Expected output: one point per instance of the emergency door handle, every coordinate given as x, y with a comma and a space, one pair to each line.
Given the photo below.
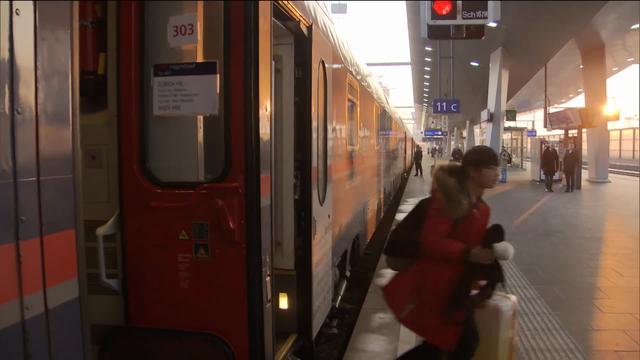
110, 228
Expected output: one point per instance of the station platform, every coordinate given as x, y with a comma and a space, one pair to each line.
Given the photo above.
575, 271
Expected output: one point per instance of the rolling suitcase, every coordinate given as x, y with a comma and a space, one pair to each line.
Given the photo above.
496, 321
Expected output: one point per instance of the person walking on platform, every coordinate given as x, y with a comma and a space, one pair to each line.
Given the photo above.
549, 165
456, 155
417, 159
434, 151
569, 165
505, 160
455, 224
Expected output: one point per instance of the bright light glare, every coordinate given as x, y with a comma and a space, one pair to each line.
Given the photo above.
581, 66
428, 59
427, 76
492, 24
428, 48
426, 83
611, 108
635, 26
630, 59
427, 68
579, 90
474, 63
614, 69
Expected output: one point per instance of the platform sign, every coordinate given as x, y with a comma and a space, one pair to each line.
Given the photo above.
446, 106
532, 133
433, 132
510, 115
186, 89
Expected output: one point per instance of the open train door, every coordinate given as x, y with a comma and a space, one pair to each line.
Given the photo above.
180, 130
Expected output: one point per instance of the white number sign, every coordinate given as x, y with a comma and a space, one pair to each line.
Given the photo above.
182, 30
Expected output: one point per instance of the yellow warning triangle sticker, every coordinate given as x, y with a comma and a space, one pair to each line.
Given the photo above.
183, 235
202, 253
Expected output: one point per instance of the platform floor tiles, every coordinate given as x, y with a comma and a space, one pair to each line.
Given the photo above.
575, 273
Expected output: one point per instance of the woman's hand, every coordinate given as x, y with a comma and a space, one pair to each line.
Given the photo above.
480, 255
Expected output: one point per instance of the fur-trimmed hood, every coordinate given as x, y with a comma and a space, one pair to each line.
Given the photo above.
449, 184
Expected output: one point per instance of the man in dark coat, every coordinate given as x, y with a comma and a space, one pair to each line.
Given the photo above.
456, 155
549, 165
417, 159
569, 164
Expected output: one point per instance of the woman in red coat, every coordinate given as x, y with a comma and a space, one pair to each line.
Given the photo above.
451, 235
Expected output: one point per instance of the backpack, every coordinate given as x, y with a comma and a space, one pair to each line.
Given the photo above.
403, 244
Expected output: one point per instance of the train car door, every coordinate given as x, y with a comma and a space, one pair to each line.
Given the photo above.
39, 302
287, 253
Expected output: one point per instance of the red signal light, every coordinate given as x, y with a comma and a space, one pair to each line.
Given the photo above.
442, 7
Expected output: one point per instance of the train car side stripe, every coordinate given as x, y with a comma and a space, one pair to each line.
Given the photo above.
60, 256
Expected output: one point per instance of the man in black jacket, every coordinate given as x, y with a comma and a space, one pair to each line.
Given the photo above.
417, 159
549, 165
569, 164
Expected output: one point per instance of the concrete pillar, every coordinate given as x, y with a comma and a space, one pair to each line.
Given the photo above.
497, 97
471, 141
594, 77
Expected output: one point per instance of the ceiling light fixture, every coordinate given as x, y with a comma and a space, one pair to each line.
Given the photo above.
581, 66
426, 83
614, 69
630, 59
428, 59
634, 26
428, 48
474, 63
579, 90
427, 76
427, 68
492, 24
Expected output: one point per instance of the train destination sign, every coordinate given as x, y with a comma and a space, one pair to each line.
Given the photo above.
446, 106
186, 89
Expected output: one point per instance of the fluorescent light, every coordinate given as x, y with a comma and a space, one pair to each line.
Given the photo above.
426, 83
614, 69
492, 24
427, 76
570, 95
563, 100
426, 89
579, 90
427, 68
581, 66
630, 59
428, 59
634, 26
474, 63
428, 48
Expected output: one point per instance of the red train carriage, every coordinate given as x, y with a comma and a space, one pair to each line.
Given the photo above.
229, 160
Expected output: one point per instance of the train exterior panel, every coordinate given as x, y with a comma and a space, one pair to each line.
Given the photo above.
226, 233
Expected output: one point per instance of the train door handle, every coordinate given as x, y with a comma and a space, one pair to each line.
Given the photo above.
110, 228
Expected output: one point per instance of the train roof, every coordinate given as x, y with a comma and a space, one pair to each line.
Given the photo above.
318, 16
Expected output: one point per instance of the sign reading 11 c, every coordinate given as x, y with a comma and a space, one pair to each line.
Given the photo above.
446, 106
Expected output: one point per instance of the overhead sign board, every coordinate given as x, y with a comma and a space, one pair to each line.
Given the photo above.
461, 12
446, 106
433, 132
565, 119
532, 133
510, 115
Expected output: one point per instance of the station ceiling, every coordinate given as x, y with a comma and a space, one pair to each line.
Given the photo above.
531, 32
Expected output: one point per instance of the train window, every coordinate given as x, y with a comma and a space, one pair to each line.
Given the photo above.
353, 123
185, 40
322, 132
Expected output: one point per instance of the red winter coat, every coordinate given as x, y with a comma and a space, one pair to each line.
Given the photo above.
419, 295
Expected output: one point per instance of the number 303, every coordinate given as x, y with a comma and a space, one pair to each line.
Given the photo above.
183, 30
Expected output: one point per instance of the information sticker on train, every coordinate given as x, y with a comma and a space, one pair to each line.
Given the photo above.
186, 89
182, 30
